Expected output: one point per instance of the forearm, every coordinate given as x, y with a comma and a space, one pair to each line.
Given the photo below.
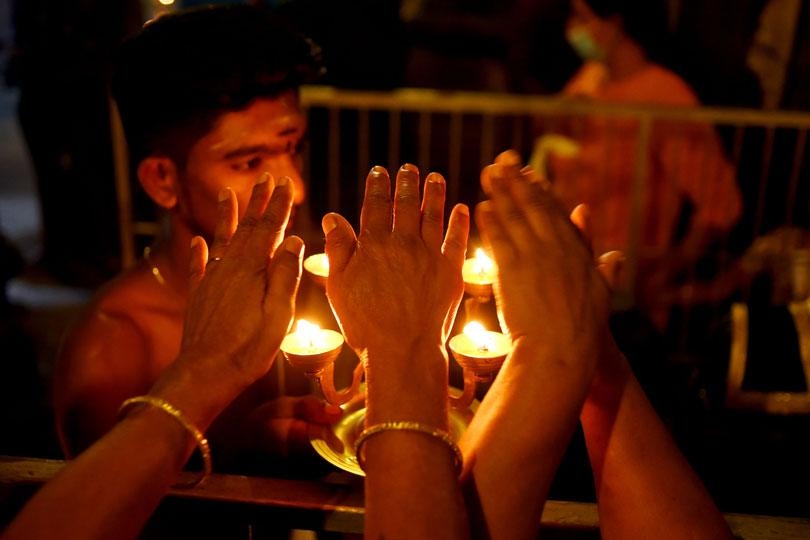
643, 482
400, 464
519, 435
110, 490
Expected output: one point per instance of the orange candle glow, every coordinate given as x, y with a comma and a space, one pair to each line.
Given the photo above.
309, 339
479, 270
478, 342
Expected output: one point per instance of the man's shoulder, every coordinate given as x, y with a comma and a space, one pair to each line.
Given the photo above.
123, 305
666, 86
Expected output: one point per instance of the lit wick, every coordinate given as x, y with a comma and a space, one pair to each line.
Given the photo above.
309, 334
479, 336
483, 264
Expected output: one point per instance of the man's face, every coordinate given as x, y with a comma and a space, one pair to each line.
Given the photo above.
590, 35
265, 137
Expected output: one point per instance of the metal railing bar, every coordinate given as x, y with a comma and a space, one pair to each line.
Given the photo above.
434, 101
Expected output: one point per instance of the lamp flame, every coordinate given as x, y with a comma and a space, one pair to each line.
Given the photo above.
479, 336
483, 264
309, 334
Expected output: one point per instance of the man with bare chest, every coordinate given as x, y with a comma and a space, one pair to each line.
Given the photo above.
208, 100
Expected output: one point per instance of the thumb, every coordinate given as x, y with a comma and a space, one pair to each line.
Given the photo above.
340, 241
196, 266
313, 410
610, 266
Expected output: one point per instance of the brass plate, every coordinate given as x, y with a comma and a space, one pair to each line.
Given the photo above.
337, 445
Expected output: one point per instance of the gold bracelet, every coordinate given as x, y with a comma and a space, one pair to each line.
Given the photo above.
403, 425
174, 412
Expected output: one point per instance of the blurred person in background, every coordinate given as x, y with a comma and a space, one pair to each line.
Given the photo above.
689, 197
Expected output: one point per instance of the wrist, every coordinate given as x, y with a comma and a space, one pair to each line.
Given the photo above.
407, 382
611, 377
200, 392
575, 350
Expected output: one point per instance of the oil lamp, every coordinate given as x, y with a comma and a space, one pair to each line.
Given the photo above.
317, 267
314, 350
480, 353
479, 273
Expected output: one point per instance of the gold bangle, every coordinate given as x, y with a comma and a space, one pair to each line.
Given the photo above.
174, 412
403, 425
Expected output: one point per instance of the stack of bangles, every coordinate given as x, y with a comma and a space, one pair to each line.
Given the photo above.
171, 410
416, 427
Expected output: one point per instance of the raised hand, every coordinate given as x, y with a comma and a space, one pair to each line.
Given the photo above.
395, 290
242, 296
549, 288
401, 277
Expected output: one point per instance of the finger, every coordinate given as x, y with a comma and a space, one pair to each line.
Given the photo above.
510, 162
313, 410
581, 217
341, 242
283, 276
433, 210
197, 260
458, 233
406, 201
276, 215
258, 200
509, 212
531, 175
493, 233
610, 266
545, 216
297, 438
375, 216
227, 219
486, 181
327, 435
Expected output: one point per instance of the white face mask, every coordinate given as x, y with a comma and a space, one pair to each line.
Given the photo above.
583, 43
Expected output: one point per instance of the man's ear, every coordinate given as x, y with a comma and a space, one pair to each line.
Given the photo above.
159, 178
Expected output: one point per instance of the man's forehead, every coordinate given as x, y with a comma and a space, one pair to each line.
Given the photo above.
264, 119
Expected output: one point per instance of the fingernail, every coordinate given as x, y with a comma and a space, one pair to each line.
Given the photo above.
328, 223
410, 167
294, 245
264, 178
377, 170
283, 181
223, 194
463, 209
434, 178
196, 241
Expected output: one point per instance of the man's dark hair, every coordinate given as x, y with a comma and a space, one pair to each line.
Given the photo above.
183, 70
646, 21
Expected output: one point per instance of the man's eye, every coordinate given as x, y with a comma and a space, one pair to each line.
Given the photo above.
299, 148
249, 165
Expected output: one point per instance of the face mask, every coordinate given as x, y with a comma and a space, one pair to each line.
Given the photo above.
584, 44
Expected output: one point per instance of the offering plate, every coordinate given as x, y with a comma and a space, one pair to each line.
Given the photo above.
336, 445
